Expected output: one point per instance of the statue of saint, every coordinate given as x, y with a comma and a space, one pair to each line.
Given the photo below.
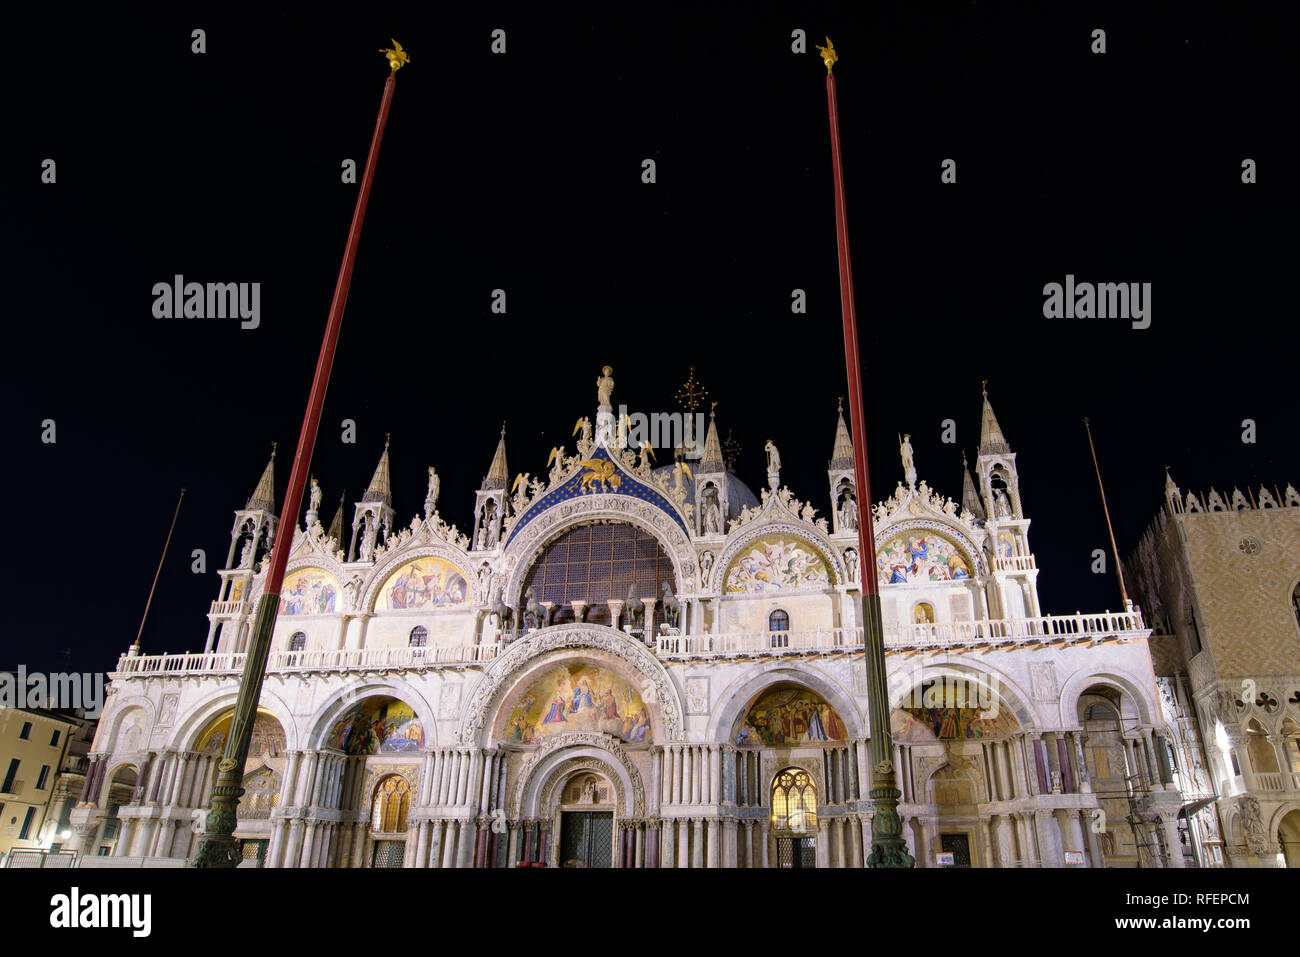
605, 386
314, 500
431, 496
851, 564
246, 555
773, 457
905, 450
849, 513
713, 519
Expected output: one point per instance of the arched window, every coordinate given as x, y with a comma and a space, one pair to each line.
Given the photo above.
923, 613
419, 636
779, 624
392, 801
596, 564
297, 641
794, 802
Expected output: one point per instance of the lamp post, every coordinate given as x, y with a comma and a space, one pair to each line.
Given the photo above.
888, 849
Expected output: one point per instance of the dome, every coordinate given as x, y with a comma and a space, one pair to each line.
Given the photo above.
738, 494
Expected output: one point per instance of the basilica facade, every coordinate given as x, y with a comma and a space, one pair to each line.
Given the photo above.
630, 665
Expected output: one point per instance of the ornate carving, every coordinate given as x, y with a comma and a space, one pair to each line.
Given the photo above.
577, 739
502, 673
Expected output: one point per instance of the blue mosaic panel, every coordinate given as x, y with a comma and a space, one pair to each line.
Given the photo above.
573, 489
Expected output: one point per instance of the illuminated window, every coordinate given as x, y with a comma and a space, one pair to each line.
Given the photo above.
599, 563
419, 636
778, 621
392, 801
794, 802
923, 614
297, 641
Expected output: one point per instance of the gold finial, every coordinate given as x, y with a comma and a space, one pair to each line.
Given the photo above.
387, 436
829, 56
273, 449
984, 387
397, 57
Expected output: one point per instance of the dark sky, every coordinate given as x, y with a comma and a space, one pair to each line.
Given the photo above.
522, 172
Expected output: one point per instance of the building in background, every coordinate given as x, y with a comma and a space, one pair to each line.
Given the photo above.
43, 760
1219, 579
638, 664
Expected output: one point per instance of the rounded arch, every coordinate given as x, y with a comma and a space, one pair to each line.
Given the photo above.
1287, 832
306, 594
559, 757
525, 548
134, 704
331, 710
748, 536
737, 697
986, 679
1134, 701
202, 714
391, 563
110, 779
529, 656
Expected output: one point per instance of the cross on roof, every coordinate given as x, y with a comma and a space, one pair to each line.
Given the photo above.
691, 394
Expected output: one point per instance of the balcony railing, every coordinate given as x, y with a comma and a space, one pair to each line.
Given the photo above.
997, 631
1045, 629
761, 642
1014, 563
228, 608
335, 659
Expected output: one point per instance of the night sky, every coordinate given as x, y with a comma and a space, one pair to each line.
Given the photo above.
523, 172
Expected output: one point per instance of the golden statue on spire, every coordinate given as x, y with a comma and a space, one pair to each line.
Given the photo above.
829, 56
397, 57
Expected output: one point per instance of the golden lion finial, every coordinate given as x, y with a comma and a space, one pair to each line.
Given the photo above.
829, 56
397, 57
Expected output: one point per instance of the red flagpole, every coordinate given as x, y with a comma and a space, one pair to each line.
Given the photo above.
888, 849
219, 848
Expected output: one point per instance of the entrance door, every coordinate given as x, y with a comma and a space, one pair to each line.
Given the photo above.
959, 846
796, 852
587, 839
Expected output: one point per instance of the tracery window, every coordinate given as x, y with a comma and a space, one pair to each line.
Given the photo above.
297, 641
392, 801
599, 563
419, 636
794, 802
779, 620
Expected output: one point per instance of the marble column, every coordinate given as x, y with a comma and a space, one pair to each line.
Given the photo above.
683, 842
697, 844
668, 841
715, 840
1080, 762
855, 841
1006, 843
652, 844
1173, 844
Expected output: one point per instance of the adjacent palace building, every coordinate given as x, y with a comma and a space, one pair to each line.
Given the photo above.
626, 665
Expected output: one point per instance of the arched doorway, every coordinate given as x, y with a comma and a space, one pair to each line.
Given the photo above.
794, 818
586, 808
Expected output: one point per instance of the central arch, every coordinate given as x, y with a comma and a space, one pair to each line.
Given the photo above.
556, 760
526, 655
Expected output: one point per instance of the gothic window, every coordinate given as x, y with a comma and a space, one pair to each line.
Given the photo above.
600, 563
392, 801
419, 636
794, 802
297, 641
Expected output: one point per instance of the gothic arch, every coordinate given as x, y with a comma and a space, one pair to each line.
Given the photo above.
741, 692
784, 524
201, 714
392, 561
529, 655
1140, 704
559, 756
973, 553
329, 711
529, 544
